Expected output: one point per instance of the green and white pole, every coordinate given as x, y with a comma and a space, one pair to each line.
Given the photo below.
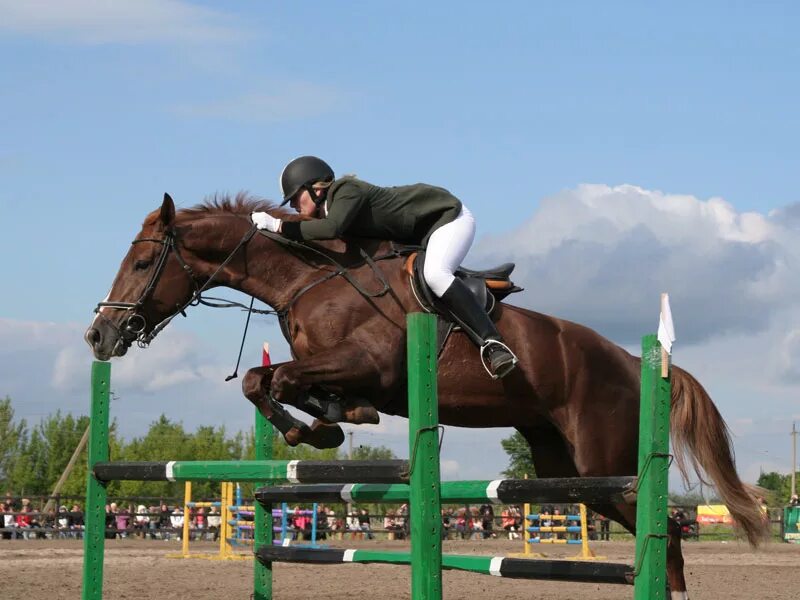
423, 415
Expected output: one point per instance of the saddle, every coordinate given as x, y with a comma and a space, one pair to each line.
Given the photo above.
489, 286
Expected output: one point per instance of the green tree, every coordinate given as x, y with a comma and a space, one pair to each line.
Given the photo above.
692, 499
366, 452
520, 459
164, 440
778, 486
10, 437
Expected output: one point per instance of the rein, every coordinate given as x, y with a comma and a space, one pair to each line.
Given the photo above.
133, 328
135, 324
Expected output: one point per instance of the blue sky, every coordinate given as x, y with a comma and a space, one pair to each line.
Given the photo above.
611, 149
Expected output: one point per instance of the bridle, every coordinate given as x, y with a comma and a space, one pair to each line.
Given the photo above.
134, 326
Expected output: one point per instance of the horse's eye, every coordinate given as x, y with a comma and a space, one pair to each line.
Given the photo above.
141, 265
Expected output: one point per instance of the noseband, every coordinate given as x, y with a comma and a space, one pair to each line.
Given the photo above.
135, 325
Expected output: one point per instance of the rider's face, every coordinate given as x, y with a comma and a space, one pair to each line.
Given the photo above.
303, 203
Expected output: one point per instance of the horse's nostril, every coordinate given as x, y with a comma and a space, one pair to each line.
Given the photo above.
92, 336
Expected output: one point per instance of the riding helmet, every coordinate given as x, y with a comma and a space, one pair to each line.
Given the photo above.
303, 172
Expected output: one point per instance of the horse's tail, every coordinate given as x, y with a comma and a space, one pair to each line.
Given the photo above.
699, 434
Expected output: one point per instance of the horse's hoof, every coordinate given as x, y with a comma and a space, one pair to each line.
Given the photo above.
294, 436
324, 435
362, 414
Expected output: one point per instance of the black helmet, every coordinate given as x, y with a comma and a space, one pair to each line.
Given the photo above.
303, 172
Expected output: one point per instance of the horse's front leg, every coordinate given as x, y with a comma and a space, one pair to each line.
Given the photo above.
299, 383
327, 384
256, 387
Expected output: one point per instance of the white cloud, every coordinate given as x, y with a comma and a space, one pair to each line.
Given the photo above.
294, 100
449, 469
173, 360
120, 21
601, 255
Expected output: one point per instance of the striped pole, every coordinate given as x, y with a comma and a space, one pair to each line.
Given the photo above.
615, 490
257, 471
499, 566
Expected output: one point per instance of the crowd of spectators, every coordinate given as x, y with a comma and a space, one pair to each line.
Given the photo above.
19, 519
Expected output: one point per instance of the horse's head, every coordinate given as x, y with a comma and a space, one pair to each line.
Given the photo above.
153, 284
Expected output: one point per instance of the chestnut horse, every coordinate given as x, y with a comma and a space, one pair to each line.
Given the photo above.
574, 395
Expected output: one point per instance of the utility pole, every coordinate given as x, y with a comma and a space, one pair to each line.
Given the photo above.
350, 452
794, 458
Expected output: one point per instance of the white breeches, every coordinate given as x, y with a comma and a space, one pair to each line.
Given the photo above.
446, 249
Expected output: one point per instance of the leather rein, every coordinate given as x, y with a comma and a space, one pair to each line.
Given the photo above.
133, 328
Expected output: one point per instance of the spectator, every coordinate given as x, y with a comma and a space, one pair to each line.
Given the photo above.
76, 521
403, 522
508, 521
122, 518
214, 521
475, 523
487, 520
141, 521
176, 521
446, 523
322, 522
24, 521
390, 524
353, 526
558, 522
605, 528
301, 523
165, 522
330, 519
200, 523
111, 520
364, 525
462, 523
794, 501
62, 522
7, 521
545, 521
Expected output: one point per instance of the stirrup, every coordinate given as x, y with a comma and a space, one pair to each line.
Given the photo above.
507, 370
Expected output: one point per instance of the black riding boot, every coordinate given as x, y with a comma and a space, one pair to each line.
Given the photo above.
479, 327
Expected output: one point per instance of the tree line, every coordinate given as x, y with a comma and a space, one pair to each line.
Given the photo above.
33, 456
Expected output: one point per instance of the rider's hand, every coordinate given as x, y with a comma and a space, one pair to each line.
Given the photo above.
266, 221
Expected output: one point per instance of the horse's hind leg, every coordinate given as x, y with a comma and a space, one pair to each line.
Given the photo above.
553, 457
625, 515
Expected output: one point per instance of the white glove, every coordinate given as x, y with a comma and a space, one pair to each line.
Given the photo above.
266, 221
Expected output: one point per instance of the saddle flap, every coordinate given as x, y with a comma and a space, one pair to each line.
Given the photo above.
476, 285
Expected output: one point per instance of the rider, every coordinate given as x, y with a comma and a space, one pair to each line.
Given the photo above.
415, 214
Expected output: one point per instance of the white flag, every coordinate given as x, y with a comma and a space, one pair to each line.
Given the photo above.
666, 330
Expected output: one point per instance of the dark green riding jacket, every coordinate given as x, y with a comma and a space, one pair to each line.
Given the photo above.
407, 214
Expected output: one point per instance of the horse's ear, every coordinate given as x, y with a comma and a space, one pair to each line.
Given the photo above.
168, 211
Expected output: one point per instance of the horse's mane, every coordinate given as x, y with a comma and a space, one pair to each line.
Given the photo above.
243, 203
